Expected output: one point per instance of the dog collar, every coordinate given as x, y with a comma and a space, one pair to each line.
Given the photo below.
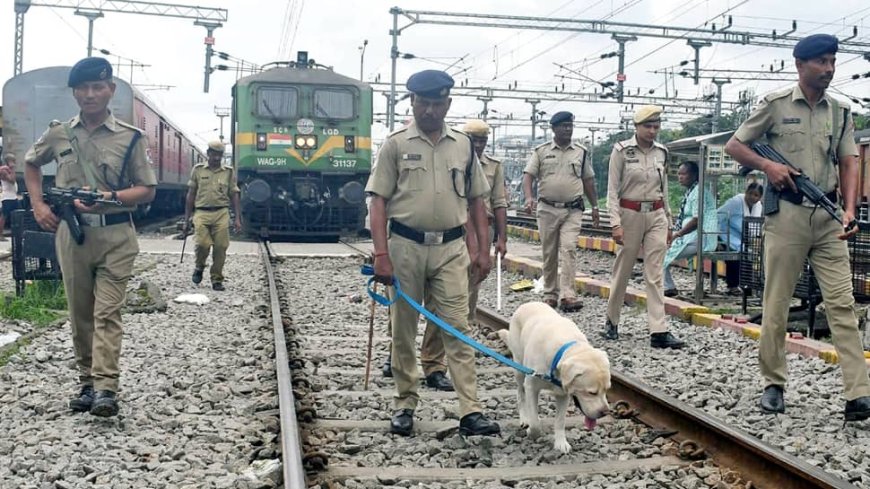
556, 361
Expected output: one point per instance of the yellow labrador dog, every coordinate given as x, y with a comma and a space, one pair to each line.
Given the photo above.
537, 333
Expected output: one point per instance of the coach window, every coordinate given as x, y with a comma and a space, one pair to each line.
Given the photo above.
333, 103
277, 102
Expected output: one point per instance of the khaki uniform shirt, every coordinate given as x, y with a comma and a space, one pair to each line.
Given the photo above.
214, 188
424, 183
103, 148
802, 134
636, 174
494, 172
560, 171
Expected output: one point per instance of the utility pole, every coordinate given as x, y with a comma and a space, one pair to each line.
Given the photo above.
486, 99
697, 45
209, 51
362, 54
534, 103
620, 76
592, 130
221, 112
715, 125
394, 55
21, 7
91, 16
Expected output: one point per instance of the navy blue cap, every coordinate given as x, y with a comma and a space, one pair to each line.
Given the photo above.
814, 46
430, 84
90, 69
560, 117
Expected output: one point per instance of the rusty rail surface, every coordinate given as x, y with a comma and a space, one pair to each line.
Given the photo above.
765, 466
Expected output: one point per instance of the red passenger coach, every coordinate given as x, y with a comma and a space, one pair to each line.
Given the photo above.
33, 99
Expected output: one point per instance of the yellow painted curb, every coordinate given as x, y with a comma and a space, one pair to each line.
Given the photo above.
702, 319
752, 332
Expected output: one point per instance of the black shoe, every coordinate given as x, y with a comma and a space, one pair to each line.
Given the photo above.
218, 286
772, 402
672, 293
665, 340
83, 403
197, 275
611, 331
478, 424
105, 404
857, 409
387, 369
438, 381
402, 422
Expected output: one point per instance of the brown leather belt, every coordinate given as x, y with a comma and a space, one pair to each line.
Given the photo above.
641, 205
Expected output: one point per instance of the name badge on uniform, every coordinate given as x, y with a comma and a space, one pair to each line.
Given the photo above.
65, 152
791, 120
629, 161
411, 157
549, 156
629, 153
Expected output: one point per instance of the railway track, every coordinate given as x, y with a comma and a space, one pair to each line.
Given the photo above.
324, 447
524, 220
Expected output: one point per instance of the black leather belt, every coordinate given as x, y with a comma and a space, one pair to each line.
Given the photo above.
426, 237
574, 204
101, 220
214, 208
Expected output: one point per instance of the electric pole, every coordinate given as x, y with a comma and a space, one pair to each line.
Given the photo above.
620, 76
534, 103
697, 45
715, 124
221, 112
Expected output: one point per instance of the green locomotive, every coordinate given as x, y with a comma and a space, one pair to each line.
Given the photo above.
302, 149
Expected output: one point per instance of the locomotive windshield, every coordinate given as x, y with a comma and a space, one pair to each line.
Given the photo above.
333, 104
277, 102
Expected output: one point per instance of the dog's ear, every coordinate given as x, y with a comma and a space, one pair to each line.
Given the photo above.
572, 372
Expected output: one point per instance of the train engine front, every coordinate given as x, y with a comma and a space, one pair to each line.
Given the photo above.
302, 149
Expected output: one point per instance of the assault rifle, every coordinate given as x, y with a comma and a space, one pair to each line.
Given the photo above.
806, 188
62, 203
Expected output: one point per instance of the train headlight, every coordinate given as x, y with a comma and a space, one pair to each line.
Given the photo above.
349, 144
258, 191
305, 142
261, 141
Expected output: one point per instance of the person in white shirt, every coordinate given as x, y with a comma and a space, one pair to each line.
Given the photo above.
8, 191
731, 216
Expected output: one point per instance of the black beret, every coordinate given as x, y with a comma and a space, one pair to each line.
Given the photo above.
90, 69
430, 84
560, 117
814, 46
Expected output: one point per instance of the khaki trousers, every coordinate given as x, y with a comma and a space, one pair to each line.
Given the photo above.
559, 230
432, 349
791, 235
212, 230
95, 276
650, 230
440, 273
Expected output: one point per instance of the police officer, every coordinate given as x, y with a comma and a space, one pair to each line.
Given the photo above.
211, 188
432, 349
426, 182
815, 132
95, 150
637, 199
564, 175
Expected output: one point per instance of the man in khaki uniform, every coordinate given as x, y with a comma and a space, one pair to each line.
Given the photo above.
95, 150
637, 199
211, 187
432, 350
815, 132
564, 175
426, 182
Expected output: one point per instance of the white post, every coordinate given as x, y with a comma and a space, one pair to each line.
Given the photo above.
498, 279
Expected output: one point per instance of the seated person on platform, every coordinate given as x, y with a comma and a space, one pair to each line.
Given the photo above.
731, 228
684, 244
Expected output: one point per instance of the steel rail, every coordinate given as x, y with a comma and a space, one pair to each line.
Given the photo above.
765, 466
291, 444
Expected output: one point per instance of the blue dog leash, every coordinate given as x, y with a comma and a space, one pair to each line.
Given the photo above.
385, 301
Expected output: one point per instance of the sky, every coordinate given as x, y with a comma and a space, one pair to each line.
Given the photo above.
332, 31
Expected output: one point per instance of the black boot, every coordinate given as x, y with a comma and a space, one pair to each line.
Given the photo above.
387, 369
857, 409
665, 340
611, 331
772, 402
83, 402
402, 422
105, 404
478, 424
197, 275
439, 382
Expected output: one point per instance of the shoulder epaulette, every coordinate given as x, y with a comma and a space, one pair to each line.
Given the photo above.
662, 146
584, 148
843, 103
494, 160
621, 145
200, 165
547, 143
397, 131
770, 97
129, 126
54, 123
